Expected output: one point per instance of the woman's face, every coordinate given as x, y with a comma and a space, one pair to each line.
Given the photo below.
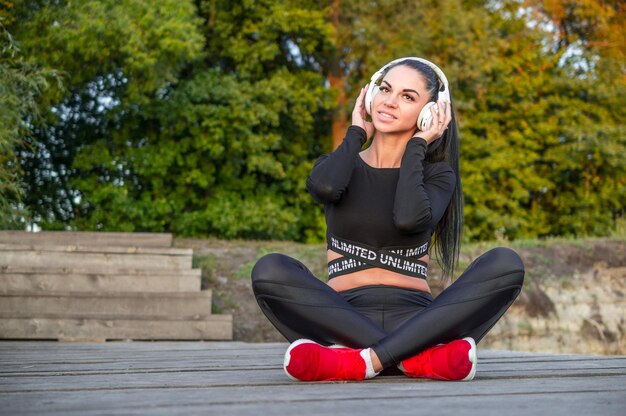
401, 97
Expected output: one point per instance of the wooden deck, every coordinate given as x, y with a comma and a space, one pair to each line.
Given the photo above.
231, 378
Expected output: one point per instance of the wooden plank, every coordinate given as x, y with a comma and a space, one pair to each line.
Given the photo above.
11, 269
109, 304
549, 403
39, 357
266, 400
21, 349
86, 238
41, 353
27, 353
95, 258
396, 387
254, 360
305, 402
212, 327
170, 251
101, 282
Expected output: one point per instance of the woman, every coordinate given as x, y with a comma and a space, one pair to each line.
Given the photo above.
383, 206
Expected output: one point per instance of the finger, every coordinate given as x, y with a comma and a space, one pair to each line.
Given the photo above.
358, 104
448, 113
442, 110
360, 100
438, 118
435, 110
363, 92
445, 116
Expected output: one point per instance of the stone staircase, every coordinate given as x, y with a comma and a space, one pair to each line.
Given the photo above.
102, 286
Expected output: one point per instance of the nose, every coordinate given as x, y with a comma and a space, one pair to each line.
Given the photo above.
390, 100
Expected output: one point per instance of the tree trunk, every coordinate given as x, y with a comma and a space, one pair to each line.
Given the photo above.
337, 80
340, 120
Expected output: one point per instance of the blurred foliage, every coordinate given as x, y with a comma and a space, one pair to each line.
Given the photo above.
204, 117
21, 84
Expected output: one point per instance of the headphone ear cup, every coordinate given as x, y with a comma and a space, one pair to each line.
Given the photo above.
425, 119
372, 89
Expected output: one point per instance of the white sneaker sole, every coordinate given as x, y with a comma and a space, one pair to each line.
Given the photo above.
471, 355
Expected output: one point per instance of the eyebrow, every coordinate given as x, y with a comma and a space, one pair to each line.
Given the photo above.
404, 90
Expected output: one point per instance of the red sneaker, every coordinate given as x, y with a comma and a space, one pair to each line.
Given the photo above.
453, 361
306, 360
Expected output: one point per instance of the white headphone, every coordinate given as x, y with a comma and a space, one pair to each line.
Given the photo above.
425, 118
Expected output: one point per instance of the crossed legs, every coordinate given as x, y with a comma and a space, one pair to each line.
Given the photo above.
301, 306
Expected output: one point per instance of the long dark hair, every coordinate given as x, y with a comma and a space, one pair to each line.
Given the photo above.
449, 230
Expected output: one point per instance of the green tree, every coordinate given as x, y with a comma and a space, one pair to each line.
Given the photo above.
462, 38
118, 58
203, 118
21, 84
541, 137
588, 173
543, 157
159, 135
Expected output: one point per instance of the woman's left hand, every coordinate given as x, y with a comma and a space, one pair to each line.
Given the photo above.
359, 114
441, 119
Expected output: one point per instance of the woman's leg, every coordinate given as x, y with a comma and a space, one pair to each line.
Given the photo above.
301, 306
467, 308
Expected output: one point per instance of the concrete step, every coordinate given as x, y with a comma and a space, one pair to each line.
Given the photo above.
86, 238
94, 258
113, 305
213, 327
43, 280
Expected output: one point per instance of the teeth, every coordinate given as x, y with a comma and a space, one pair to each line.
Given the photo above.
385, 115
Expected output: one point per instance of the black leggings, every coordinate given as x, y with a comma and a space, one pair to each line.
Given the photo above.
396, 323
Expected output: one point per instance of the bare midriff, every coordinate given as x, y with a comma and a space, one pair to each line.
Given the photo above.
375, 276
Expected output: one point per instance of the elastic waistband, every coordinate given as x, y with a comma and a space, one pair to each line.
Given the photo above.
361, 256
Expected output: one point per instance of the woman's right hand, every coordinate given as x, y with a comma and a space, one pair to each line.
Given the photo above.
359, 115
441, 117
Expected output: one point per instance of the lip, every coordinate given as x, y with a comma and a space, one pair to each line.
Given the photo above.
383, 115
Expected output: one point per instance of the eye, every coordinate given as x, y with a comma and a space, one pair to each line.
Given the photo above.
408, 97
383, 88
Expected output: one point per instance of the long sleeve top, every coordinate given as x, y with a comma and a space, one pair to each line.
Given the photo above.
381, 207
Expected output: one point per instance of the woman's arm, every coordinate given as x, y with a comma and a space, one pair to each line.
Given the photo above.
331, 173
421, 197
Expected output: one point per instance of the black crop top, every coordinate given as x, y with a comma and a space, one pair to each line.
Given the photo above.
380, 217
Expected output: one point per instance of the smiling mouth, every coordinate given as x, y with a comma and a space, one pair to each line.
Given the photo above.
386, 116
